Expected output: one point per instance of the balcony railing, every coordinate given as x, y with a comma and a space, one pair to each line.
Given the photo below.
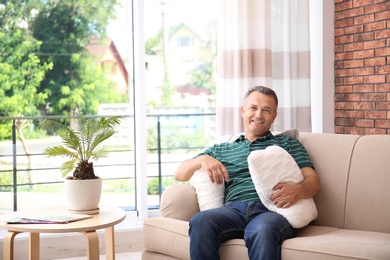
28, 178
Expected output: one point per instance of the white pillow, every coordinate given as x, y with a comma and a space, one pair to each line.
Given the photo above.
275, 165
210, 195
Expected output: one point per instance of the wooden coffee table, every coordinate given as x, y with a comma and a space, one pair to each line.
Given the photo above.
106, 218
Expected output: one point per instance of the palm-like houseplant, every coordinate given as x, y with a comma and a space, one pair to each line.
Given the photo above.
81, 140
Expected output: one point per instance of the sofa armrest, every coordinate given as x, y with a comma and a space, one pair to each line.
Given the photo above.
179, 201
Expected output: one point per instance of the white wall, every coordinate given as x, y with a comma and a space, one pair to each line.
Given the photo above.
322, 65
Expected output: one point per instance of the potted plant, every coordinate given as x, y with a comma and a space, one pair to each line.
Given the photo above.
81, 143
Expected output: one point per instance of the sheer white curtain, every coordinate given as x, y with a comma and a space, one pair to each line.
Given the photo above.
263, 42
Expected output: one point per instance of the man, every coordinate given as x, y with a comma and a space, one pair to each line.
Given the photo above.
243, 215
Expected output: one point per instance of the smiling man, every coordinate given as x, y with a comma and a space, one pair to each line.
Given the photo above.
243, 214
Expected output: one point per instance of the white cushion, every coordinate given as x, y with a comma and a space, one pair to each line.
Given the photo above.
272, 166
210, 195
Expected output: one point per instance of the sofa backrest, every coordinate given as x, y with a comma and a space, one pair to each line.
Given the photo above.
355, 175
331, 155
368, 191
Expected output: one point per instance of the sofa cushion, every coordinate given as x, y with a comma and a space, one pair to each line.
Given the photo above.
167, 236
275, 165
175, 242
150, 255
323, 243
234, 249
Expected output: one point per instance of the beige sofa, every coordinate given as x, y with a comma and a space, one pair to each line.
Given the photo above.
353, 207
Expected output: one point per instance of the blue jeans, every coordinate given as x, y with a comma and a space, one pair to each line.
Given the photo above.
262, 230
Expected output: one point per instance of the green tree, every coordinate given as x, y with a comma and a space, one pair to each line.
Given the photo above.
153, 42
21, 70
76, 84
90, 89
168, 89
203, 76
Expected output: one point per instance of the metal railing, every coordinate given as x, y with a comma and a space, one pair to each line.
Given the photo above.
171, 138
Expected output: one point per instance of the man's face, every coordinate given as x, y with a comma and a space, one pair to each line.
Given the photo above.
258, 114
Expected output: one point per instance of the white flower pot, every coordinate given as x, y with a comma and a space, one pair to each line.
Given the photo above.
83, 196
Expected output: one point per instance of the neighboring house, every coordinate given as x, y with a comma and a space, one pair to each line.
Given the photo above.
108, 56
185, 49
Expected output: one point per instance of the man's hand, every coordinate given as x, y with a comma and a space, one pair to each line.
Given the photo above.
286, 194
216, 170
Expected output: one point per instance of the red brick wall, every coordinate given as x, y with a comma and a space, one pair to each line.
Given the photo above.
362, 66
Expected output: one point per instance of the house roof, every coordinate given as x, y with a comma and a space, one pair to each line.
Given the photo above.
205, 32
174, 31
98, 48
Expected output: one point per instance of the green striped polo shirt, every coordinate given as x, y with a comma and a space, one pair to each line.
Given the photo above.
233, 155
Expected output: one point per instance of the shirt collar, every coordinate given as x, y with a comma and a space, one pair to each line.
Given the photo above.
262, 138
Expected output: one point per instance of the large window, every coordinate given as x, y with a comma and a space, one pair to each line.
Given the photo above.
97, 76
180, 46
167, 90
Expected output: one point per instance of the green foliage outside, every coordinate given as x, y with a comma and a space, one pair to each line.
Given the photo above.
6, 184
120, 186
77, 84
85, 94
44, 61
168, 90
21, 70
32, 131
203, 77
153, 184
176, 140
6, 178
153, 42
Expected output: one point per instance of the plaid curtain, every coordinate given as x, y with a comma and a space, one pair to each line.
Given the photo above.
263, 42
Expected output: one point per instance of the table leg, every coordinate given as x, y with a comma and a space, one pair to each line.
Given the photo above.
34, 246
8, 245
110, 243
92, 244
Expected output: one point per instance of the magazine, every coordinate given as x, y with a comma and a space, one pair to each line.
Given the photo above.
48, 217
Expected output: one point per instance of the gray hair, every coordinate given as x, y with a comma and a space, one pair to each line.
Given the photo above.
263, 90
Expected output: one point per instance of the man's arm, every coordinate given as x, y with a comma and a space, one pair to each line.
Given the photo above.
217, 172
311, 183
287, 194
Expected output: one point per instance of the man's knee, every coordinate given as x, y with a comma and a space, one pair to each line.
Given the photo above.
200, 222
